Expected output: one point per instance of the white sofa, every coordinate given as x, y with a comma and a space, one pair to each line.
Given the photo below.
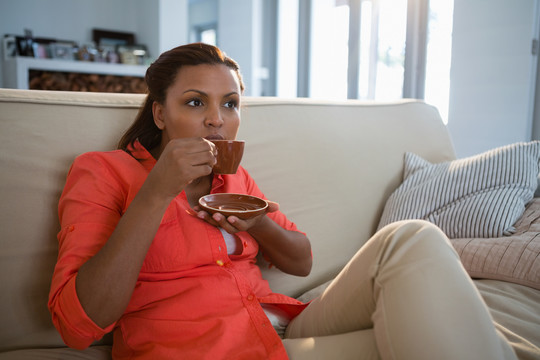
330, 165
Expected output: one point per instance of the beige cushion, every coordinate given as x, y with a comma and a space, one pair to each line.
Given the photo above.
513, 258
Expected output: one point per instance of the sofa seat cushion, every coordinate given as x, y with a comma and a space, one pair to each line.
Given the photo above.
99, 352
516, 312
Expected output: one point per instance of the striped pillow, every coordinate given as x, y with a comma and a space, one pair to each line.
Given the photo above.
478, 196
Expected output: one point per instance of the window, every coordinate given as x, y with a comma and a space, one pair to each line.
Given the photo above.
383, 26
205, 34
369, 49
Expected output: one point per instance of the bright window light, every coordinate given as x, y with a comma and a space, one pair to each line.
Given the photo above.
329, 49
439, 53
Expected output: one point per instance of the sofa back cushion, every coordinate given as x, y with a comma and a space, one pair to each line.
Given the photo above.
40, 133
330, 165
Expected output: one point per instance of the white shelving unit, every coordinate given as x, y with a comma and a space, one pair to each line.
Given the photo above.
16, 69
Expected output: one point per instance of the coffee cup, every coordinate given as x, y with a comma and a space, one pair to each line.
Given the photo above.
229, 155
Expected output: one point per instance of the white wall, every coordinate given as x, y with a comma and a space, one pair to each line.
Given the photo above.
147, 18
173, 23
66, 19
203, 12
240, 35
493, 73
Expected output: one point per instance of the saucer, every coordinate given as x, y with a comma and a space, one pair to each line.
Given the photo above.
240, 205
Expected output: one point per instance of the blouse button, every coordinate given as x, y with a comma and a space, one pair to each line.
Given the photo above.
219, 262
250, 297
71, 228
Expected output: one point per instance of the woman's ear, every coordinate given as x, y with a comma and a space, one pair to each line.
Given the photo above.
157, 112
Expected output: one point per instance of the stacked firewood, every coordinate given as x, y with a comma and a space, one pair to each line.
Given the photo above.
48, 80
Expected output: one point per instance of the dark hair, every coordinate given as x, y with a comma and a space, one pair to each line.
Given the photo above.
159, 77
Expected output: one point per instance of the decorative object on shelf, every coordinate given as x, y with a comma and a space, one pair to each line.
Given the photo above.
62, 50
87, 52
132, 54
107, 47
37, 47
9, 46
112, 56
41, 48
120, 47
24, 43
41, 51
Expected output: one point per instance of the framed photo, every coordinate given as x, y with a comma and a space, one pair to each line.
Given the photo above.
9, 44
24, 46
107, 37
62, 50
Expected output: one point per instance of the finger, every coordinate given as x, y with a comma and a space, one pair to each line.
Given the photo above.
219, 218
242, 225
203, 215
203, 155
225, 224
201, 145
193, 145
202, 159
213, 147
272, 206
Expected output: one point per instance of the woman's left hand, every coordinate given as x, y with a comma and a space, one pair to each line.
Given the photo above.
234, 224
289, 251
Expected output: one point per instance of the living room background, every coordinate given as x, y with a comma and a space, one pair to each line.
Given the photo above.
491, 72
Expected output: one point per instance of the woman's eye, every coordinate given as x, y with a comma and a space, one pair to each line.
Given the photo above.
231, 104
195, 102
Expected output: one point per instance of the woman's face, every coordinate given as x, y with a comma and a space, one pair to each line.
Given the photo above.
203, 101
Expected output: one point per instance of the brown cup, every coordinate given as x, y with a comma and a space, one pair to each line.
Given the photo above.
229, 155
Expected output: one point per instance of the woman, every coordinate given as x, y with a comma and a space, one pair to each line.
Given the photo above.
138, 256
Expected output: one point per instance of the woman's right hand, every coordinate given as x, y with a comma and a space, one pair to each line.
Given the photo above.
119, 261
181, 161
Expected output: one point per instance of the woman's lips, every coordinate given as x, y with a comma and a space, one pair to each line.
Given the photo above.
215, 137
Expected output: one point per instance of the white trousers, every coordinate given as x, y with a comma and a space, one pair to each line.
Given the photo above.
404, 295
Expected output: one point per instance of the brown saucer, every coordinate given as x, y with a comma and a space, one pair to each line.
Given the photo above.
242, 206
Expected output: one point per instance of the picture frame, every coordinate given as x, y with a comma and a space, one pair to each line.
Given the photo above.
108, 37
24, 46
62, 50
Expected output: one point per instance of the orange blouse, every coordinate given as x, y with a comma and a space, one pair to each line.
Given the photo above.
192, 300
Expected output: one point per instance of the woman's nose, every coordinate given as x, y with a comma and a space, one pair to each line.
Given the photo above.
214, 118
